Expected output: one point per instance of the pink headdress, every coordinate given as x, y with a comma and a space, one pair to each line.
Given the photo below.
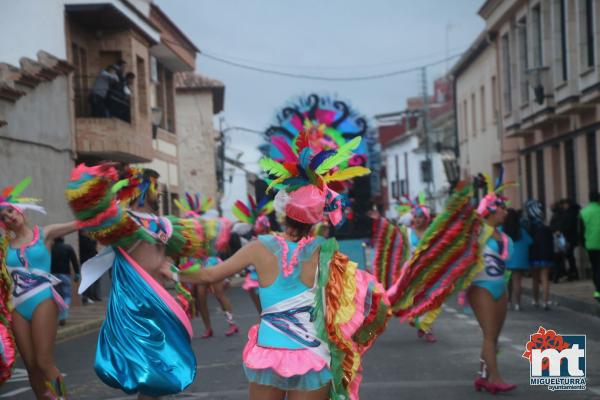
302, 177
9, 197
493, 199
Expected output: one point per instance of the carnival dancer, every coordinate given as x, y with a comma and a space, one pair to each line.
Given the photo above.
254, 221
7, 339
420, 217
36, 303
144, 344
488, 294
319, 312
217, 232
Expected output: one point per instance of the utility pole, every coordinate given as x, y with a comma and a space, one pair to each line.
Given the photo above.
425, 113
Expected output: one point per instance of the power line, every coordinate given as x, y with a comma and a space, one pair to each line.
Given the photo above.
326, 78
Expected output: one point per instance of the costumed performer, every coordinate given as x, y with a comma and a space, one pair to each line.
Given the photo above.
253, 221
36, 302
488, 295
319, 312
144, 344
217, 232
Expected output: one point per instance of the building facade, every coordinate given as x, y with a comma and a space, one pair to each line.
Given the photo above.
548, 62
198, 100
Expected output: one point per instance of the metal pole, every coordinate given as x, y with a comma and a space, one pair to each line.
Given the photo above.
221, 166
426, 130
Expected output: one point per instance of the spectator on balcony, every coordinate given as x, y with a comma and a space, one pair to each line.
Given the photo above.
119, 98
119, 67
590, 220
98, 96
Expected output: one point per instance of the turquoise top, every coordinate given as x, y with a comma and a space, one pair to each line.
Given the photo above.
414, 240
519, 258
283, 288
33, 255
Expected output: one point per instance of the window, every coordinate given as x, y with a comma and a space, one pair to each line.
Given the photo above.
506, 92
536, 15
395, 193
465, 119
403, 188
524, 64
482, 102
170, 96
541, 184
589, 32
592, 161
142, 96
529, 176
473, 114
494, 101
562, 22
570, 172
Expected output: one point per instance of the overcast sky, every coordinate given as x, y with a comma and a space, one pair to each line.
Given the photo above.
336, 38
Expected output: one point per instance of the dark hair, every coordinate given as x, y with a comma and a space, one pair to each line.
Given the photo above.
299, 229
59, 239
595, 197
511, 225
129, 75
121, 62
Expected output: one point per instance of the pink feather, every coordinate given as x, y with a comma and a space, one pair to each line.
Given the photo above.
283, 146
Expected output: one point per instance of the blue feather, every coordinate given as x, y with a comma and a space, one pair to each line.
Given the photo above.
305, 157
262, 203
500, 178
319, 158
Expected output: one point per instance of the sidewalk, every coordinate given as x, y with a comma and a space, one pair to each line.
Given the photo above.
82, 319
576, 295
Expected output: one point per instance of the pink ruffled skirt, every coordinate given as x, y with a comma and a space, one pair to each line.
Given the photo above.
250, 283
282, 368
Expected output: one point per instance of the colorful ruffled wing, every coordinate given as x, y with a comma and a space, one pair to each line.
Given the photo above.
446, 260
392, 250
351, 313
7, 341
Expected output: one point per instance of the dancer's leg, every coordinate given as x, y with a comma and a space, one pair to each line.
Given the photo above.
485, 310
535, 276
264, 392
516, 287
219, 292
319, 394
202, 291
24, 341
545, 279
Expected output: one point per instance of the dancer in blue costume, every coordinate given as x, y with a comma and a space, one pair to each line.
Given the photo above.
144, 345
36, 302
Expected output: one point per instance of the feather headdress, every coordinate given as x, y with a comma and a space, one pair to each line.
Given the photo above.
305, 173
11, 197
494, 198
196, 205
419, 206
137, 183
253, 213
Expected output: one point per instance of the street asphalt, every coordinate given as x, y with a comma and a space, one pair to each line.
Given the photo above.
399, 366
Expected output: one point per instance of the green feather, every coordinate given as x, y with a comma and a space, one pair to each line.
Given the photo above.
240, 215
273, 167
421, 198
17, 190
343, 154
119, 185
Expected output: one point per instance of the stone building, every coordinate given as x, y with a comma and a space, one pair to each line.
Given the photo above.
199, 98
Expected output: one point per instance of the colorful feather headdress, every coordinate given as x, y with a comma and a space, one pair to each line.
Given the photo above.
419, 206
494, 198
304, 175
10, 197
253, 213
333, 121
136, 184
196, 205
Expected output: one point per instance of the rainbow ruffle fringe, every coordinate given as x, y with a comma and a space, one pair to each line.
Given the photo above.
7, 340
93, 196
392, 249
350, 315
448, 257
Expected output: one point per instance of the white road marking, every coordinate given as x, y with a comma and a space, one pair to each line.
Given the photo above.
472, 322
461, 316
595, 389
504, 339
13, 393
519, 348
450, 310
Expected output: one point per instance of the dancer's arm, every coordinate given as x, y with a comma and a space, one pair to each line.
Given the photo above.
53, 231
234, 264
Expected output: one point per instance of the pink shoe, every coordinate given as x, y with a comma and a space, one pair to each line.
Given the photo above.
420, 333
233, 329
207, 334
493, 388
430, 338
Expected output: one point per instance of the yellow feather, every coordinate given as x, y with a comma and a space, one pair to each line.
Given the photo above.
348, 173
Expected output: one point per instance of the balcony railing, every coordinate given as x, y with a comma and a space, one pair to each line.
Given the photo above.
116, 104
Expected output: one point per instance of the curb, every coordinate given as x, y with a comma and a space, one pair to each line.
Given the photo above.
78, 329
572, 304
